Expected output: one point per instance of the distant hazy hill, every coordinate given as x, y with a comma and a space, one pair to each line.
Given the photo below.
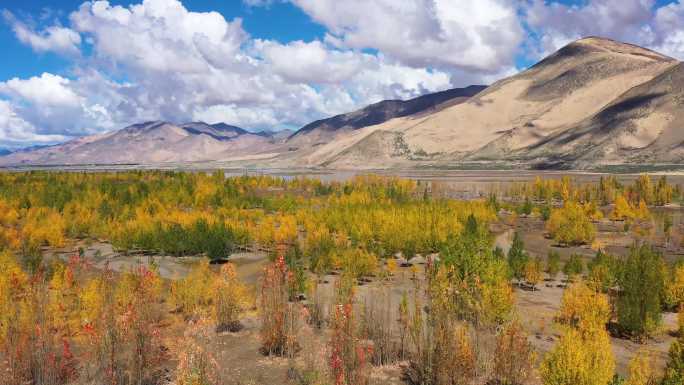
153, 143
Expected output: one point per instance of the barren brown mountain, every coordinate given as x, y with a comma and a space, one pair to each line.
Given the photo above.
537, 116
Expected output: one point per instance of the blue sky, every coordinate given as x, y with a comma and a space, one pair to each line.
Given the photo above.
71, 69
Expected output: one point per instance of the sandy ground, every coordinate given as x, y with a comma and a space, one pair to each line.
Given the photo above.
610, 235
249, 264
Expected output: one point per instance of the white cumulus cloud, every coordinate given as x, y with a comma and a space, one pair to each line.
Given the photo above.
45, 89
639, 22
474, 35
53, 38
669, 30
16, 132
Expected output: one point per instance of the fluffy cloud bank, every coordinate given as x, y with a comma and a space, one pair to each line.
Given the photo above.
158, 60
669, 30
481, 35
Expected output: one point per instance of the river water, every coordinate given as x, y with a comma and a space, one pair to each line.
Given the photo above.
453, 183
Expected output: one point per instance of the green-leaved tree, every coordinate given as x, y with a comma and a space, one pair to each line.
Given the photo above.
642, 284
517, 257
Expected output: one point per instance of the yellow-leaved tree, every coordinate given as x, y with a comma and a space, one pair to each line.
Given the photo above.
231, 297
674, 291
533, 272
641, 369
12, 284
584, 308
286, 232
622, 209
192, 294
44, 226
583, 356
580, 358
571, 225
63, 298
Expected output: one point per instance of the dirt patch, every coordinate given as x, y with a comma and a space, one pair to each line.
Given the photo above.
537, 310
103, 255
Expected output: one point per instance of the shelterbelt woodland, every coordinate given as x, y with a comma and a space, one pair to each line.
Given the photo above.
198, 278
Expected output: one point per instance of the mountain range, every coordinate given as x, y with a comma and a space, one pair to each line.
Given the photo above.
152, 143
594, 102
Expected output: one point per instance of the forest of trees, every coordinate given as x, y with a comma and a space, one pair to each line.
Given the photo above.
67, 322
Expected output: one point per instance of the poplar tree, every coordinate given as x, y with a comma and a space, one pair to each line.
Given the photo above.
642, 287
517, 258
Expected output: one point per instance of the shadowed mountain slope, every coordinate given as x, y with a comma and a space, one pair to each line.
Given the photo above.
325, 130
644, 125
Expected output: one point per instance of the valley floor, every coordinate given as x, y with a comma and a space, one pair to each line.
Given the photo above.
243, 364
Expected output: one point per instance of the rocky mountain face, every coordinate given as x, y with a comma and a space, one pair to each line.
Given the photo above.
594, 102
